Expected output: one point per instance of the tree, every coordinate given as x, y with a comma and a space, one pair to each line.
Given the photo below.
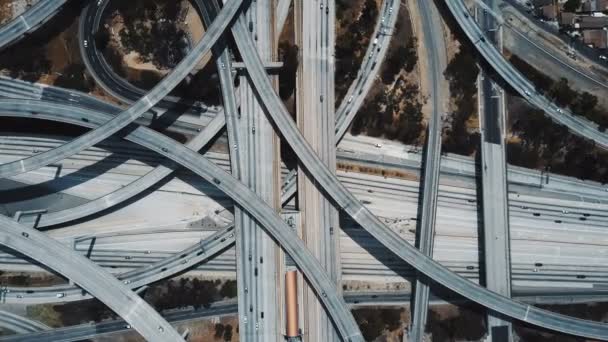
562, 93
72, 77
402, 57
540, 80
462, 73
152, 32
572, 5
369, 322
228, 333
584, 105
287, 74
219, 330
392, 318
229, 289
46, 314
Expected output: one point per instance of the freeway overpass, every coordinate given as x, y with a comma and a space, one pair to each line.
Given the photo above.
248, 201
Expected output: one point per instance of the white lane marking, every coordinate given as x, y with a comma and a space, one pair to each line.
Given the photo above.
148, 101
27, 26
356, 215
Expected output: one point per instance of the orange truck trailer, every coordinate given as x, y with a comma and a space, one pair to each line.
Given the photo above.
291, 303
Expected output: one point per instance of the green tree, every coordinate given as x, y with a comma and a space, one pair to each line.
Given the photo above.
229, 289
72, 77
228, 333
219, 330
369, 322
572, 5
585, 104
562, 93
287, 74
46, 314
540, 80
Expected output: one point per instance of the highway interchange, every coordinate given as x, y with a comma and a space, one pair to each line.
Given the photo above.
116, 293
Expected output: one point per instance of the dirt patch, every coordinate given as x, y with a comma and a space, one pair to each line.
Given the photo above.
382, 324
456, 323
386, 173
393, 107
10, 9
52, 54
356, 285
551, 42
194, 27
6, 13
461, 131
354, 29
536, 142
145, 41
30, 279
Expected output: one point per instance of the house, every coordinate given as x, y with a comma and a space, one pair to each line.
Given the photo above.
596, 38
567, 19
591, 22
549, 11
595, 6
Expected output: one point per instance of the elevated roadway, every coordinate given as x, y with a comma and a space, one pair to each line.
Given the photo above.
372, 61
385, 192
546, 40
257, 298
389, 238
496, 238
185, 124
160, 150
104, 74
402, 157
257, 253
535, 316
89, 277
229, 307
19, 324
281, 13
101, 329
432, 33
267, 217
119, 196
519, 82
29, 21
315, 106
137, 109
140, 276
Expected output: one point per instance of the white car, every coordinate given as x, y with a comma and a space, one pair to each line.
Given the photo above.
86, 43
527, 93
603, 57
60, 295
350, 99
